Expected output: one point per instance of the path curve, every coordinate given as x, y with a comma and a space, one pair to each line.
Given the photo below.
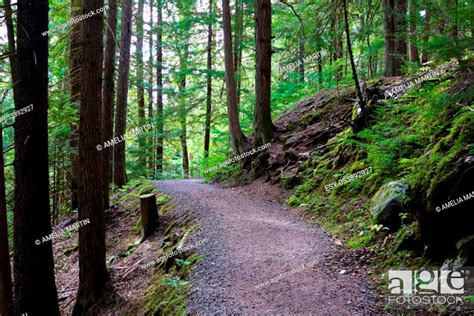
252, 239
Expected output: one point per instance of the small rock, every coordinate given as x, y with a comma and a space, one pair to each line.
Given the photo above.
342, 272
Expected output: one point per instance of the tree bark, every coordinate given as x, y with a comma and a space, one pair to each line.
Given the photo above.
239, 29
108, 91
6, 293
149, 214
425, 55
140, 89
207, 128
159, 86
75, 62
361, 120
183, 62
238, 138
92, 267
120, 175
301, 52
413, 49
35, 288
395, 36
150, 147
263, 46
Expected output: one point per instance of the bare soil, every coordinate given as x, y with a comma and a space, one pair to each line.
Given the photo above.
252, 238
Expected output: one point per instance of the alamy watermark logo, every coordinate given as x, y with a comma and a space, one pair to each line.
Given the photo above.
422, 288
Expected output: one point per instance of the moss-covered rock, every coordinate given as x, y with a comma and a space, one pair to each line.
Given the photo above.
388, 203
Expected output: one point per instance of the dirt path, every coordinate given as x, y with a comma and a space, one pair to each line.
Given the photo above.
252, 239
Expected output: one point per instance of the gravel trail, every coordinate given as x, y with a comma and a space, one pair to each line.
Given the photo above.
252, 239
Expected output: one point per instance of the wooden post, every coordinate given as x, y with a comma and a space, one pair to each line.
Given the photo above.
149, 214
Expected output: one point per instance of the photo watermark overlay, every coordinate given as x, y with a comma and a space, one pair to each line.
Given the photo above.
306, 60
60, 232
19, 112
237, 158
398, 90
347, 179
426, 288
456, 201
75, 20
118, 139
286, 274
174, 253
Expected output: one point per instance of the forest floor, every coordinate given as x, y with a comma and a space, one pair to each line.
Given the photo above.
252, 239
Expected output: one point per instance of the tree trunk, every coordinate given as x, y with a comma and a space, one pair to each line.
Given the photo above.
120, 174
75, 62
140, 89
395, 36
149, 214
301, 51
92, 267
361, 120
207, 128
159, 85
150, 147
108, 91
263, 46
6, 294
425, 56
183, 111
238, 138
239, 29
35, 288
413, 51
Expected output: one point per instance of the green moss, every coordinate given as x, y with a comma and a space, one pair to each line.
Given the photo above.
419, 138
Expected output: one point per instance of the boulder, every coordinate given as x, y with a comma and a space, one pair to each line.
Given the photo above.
465, 254
388, 203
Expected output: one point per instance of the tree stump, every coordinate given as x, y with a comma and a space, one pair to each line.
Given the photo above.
149, 214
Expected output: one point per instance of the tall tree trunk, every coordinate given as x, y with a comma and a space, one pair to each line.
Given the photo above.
92, 267
75, 62
263, 125
413, 50
140, 89
108, 91
120, 175
207, 128
6, 294
35, 288
301, 51
395, 36
150, 147
425, 55
159, 86
183, 65
238, 138
401, 29
239, 29
361, 119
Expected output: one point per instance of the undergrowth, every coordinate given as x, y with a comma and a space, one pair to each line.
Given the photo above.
416, 138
